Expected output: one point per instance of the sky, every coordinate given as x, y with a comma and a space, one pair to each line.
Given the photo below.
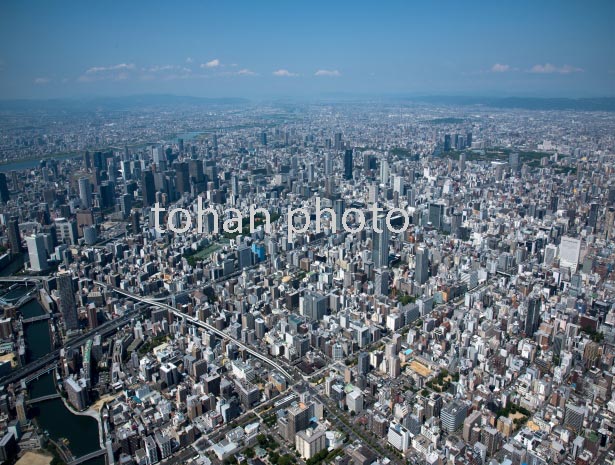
268, 48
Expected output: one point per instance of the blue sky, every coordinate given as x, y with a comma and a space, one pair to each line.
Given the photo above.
307, 48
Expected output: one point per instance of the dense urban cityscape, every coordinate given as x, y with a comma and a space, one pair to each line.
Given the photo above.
307, 232
480, 332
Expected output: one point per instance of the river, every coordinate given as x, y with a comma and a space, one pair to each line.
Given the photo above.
52, 415
18, 165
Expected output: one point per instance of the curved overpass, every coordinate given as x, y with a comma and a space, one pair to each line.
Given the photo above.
200, 323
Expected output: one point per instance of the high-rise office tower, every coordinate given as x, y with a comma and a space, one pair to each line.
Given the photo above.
135, 222
447, 142
211, 171
338, 144
148, 189
398, 185
182, 177
363, 363
554, 203
85, 192
126, 204
384, 172
569, 251
593, 215
195, 167
381, 281
68, 305
532, 318
380, 252
436, 215
4, 188
158, 155
87, 159
107, 194
12, 228
328, 164
92, 317
37, 252
314, 305
421, 267
469, 139
348, 164
550, 254
338, 208
513, 161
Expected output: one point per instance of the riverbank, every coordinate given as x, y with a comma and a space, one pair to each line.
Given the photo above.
89, 412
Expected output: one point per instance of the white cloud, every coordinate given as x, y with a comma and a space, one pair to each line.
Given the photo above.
165, 68
41, 80
189, 60
548, 68
500, 68
328, 72
284, 73
211, 64
118, 67
245, 72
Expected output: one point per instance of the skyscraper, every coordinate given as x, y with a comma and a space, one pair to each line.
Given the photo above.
421, 269
381, 281
532, 318
513, 161
363, 363
68, 305
591, 221
447, 142
182, 177
338, 141
148, 189
14, 236
4, 188
384, 172
338, 208
436, 214
85, 192
348, 164
380, 252
314, 305
328, 164
569, 251
37, 252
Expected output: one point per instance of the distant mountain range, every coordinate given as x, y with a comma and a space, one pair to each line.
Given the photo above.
527, 103
154, 100
113, 103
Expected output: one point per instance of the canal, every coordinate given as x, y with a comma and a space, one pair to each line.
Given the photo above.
52, 415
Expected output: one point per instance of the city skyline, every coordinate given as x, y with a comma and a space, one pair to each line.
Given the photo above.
554, 49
